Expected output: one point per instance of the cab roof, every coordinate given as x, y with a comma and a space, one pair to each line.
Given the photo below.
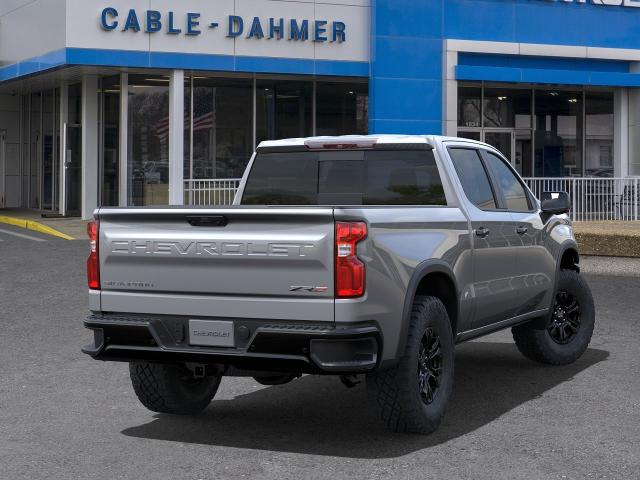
355, 142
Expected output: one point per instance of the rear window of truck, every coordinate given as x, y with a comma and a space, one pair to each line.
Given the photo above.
372, 177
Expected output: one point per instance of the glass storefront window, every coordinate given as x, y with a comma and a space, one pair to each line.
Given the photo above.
544, 131
110, 89
521, 160
75, 104
34, 139
507, 108
599, 134
558, 136
222, 127
220, 130
341, 108
48, 150
283, 109
469, 106
148, 140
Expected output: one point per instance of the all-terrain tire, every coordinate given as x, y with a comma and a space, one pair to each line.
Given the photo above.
539, 345
397, 392
172, 388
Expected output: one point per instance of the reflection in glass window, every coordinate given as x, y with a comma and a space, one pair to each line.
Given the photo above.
513, 191
110, 89
469, 106
148, 145
507, 108
48, 152
345, 178
222, 128
473, 177
558, 136
403, 178
599, 134
283, 179
283, 109
341, 108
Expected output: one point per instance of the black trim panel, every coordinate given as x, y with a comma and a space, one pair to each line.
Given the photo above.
260, 345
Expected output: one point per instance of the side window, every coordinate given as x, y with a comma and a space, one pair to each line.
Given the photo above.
473, 177
514, 193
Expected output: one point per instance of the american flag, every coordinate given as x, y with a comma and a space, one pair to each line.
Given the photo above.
203, 122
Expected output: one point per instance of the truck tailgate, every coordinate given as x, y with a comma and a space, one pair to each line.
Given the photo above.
226, 262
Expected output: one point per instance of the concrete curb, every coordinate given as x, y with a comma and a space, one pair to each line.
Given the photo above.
35, 226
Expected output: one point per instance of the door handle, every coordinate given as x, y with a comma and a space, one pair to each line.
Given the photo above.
482, 232
522, 230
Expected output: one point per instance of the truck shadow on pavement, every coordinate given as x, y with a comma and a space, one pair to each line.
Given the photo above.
317, 415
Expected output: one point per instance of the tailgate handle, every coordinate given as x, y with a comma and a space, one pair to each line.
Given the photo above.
207, 220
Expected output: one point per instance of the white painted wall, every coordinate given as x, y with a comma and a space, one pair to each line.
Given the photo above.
84, 31
29, 28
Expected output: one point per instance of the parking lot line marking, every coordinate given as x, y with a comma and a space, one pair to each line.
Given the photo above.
22, 235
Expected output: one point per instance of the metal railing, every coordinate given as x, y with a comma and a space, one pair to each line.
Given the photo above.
218, 191
593, 198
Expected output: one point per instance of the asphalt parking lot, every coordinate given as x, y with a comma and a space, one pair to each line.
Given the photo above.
65, 416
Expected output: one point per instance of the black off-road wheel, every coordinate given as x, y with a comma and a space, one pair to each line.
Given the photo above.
568, 331
172, 388
412, 396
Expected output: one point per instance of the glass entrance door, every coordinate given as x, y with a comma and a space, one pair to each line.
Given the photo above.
49, 161
73, 170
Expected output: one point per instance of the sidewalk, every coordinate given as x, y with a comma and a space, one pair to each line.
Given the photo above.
613, 239
71, 227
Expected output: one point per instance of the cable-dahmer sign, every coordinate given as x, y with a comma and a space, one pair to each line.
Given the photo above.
191, 23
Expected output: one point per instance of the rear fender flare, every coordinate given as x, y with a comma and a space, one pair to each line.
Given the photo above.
421, 271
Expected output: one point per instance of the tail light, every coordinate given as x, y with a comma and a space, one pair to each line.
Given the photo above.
350, 271
93, 262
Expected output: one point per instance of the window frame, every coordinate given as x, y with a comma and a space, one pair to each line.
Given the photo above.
476, 149
496, 183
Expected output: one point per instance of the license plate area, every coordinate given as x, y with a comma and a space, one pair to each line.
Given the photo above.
211, 333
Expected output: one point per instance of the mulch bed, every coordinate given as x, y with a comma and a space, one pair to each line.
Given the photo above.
615, 239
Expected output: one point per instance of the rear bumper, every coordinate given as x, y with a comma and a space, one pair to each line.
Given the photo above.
260, 345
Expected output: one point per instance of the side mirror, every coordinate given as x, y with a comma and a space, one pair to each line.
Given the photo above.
555, 203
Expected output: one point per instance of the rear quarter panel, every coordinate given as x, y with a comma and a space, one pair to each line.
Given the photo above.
399, 240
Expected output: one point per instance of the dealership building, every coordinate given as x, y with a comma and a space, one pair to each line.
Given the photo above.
152, 102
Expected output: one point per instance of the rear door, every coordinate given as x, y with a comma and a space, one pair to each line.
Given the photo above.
494, 251
232, 262
536, 265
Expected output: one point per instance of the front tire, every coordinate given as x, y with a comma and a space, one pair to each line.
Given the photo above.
570, 328
412, 396
171, 388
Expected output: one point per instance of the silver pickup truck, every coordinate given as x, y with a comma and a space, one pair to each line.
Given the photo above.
355, 255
